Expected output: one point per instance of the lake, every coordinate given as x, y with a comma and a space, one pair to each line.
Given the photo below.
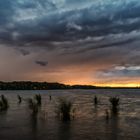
89, 122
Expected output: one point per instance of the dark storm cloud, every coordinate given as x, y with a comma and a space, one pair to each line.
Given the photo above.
91, 47
67, 25
24, 52
6, 11
41, 63
55, 28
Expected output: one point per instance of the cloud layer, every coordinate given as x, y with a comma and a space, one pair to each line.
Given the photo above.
58, 40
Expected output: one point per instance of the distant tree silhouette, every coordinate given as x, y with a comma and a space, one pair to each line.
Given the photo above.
28, 85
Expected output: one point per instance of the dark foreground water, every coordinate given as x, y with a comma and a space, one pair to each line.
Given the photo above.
89, 122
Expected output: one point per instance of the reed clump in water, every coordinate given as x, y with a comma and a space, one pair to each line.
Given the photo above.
50, 97
95, 100
115, 101
38, 99
33, 106
4, 105
19, 99
65, 109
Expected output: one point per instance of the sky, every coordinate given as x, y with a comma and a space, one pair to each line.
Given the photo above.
93, 42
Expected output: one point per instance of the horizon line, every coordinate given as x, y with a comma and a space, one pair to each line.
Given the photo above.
94, 85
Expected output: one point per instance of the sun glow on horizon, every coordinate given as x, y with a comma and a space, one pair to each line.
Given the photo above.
106, 85
119, 85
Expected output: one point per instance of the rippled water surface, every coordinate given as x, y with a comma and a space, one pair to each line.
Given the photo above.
89, 122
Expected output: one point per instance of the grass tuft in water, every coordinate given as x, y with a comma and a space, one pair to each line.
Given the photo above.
38, 99
3, 103
33, 106
114, 104
95, 100
19, 99
65, 109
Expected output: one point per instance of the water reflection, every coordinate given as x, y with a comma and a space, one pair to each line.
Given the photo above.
3, 117
64, 130
107, 116
90, 121
34, 123
114, 122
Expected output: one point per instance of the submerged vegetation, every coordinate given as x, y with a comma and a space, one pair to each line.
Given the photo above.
64, 109
114, 104
3, 103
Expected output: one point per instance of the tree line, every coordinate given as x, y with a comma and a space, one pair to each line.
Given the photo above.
28, 85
